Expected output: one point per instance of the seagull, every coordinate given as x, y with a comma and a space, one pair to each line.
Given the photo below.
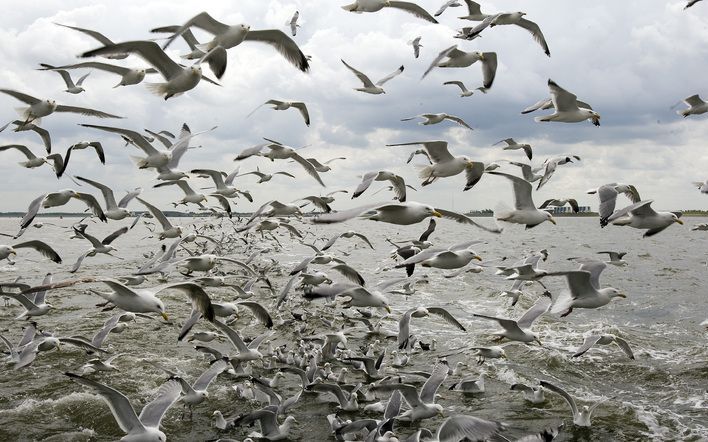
606, 339
696, 106
456, 58
145, 300
179, 79
581, 417
615, 258
346, 402
584, 288
535, 394
97, 246
190, 196
265, 177
229, 36
554, 202
293, 23
404, 323
43, 133
197, 393
550, 165
369, 87
284, 105
354, 294
567, 108
641, 216
101, 39
41, 108
114, 211
168, 230
513, 145
399, 185
324, 167
268, 420
54, 159
347, 234
519, 330
416, 46
35, 305
422, 405
527, 171
447, 4
469, 385
702, 186
55, 199
128, 76
437, 118
510, 18
245, 352
402, 214
444, 164
223, 182
608, 198
454, 257
464, 92
71, 87
278, 151
360, 6
525, 210
143, 427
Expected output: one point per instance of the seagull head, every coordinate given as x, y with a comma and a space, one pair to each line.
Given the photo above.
594, 117
479, 55
676, 218
550, 218
614, 293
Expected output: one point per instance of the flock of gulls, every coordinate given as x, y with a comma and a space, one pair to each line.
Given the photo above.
310, 322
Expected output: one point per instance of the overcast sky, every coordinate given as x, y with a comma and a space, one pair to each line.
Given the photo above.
631, 60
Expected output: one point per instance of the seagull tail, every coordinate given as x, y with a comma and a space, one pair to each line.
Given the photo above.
424, 172
139, 161
159, 89
502, 212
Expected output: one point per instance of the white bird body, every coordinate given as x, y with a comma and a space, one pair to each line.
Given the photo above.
696, 106
567, 108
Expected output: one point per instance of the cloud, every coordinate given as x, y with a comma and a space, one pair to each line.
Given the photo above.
631, 60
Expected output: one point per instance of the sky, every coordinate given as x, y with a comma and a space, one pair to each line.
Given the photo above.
631, 60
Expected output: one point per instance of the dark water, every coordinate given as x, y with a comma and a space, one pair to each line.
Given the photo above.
659, 396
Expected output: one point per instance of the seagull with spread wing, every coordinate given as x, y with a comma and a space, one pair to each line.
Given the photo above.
510, 18
71, 87
519, 330
284, 105
567, 108
438, 118
137, 428
456, 58
525, 211
360, 6
369, 86
404, 323
41, 108
229, 36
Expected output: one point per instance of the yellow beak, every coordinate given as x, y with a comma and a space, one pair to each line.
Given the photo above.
388, 308
478, 258
437, 214
552, 220
679, 221
622, 295
164, 316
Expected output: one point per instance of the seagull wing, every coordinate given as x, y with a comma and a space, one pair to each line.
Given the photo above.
409, 392
147, 50
437, 377
202, 21
43, 248
535, 30
508, 324
92, 203
447, 316
568, 398
303, 111
105, 190
28, 153
85, 111
140, 141
473, 173
624, 346
429, 231
232, 335
413, 9
123, 203
641, 208
259, 312
157, 213
119, 404
460, 218
563, 100
203, 381
444, 53
587, 345
167, 395
540, 307
360, 75
366, 181
20, 96
285, 45
110, 238
458, 120
467, 428
390, 76
200, 299
309, 168
522, 191
489, 68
